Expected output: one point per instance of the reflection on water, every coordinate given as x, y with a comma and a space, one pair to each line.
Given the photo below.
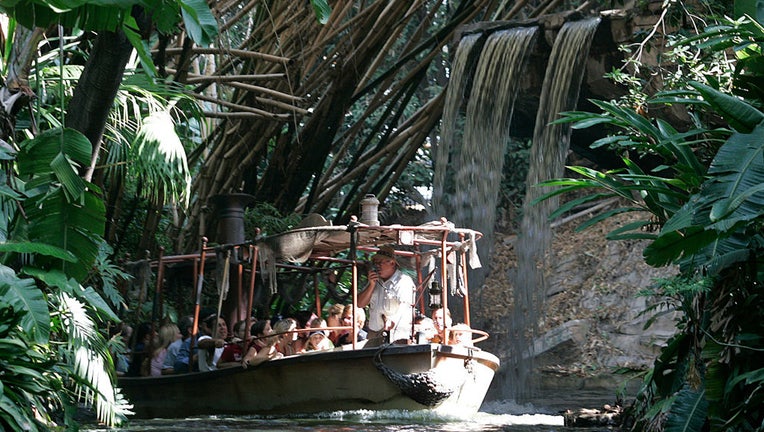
496, 416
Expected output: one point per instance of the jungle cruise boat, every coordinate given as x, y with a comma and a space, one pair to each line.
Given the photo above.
419, 375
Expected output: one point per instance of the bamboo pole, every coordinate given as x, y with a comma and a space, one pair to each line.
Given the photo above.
231, 52
194, 79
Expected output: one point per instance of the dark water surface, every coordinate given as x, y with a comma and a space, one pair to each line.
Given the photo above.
494, 416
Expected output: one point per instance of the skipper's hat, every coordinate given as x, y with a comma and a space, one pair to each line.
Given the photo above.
384, 252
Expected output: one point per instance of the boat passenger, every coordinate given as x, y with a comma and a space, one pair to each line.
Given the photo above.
210, 349
303, 318
442, 320
345, 336
173, 350
185, 359
233, 352
318, 341
334, 319
390, 297
424, 328
262, 347
286, 336
461, 335
141, 344
168, 334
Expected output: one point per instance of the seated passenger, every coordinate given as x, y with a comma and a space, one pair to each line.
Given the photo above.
424, 328
304, 318
233, 351
334, 319
460, 335
262, 348
286, 336
318, 341
168, 334
345, 336
173, 350
442, 320
210, 349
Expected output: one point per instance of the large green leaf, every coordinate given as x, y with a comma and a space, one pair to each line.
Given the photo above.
56, 152
738, 173
130, 28
24, 295
688, 412
322, 9
76, 227
732, 196
87, 16
672, 245
88, 296
37, 248
199, 21
740, 115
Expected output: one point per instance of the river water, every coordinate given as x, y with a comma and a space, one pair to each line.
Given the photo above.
494, 416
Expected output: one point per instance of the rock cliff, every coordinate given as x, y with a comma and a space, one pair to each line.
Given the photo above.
591, 327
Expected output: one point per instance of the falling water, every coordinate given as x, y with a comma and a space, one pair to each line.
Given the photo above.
475, 167
559, 93
486, 131
451, 131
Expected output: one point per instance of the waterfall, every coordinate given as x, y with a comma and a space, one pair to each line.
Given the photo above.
474, 160
452, 125
469, 161
549, 150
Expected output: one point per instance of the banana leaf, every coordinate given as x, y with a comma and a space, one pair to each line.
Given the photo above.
740, 115
688, 412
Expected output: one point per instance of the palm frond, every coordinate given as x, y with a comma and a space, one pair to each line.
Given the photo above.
159, 157
85, 355
110, 276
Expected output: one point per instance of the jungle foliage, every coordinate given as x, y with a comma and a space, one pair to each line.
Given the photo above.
58, 286
705, 207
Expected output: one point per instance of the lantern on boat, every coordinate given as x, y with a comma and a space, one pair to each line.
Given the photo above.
435, 293
370, 210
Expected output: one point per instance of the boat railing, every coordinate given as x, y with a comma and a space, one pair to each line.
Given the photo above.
245, 255
482, 335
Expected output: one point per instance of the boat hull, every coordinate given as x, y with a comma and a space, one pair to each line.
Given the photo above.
322, 381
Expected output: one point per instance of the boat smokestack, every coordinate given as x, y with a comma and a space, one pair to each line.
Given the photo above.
230, 210
370, 210
230, 217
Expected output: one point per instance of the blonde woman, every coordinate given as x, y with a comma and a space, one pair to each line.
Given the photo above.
168, 334
334, 319
286, 336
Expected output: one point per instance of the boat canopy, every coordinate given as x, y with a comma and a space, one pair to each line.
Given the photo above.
323, 240
302, 243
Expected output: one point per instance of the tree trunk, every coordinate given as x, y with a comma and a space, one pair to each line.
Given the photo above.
16, 92
95, 92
